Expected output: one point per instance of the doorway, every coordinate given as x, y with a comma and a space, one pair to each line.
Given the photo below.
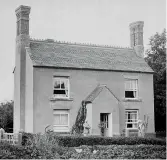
106, 121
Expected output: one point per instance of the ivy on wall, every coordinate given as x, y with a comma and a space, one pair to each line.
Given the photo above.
78, 128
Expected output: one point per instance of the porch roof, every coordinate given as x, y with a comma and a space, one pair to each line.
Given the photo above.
96, 92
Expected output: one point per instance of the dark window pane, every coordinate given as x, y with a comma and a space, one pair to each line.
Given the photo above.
59, 92
129, 125
57, 84
129, 94
62, 85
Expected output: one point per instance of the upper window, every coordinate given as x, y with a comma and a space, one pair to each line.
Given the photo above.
131, 88
131, 118
61, 87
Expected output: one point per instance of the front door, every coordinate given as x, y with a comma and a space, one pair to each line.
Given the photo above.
106, 119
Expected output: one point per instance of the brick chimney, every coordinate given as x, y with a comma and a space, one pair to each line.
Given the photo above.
22, 41
136, 37
22, 14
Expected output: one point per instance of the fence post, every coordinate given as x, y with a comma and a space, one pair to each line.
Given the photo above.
0, 134
2, 131
126, 132
19, 138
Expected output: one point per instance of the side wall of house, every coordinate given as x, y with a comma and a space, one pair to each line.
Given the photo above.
82, 83
29, 96
16, 114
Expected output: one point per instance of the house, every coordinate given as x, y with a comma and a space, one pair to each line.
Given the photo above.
52, 79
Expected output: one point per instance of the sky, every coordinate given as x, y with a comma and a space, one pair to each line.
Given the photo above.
85, 21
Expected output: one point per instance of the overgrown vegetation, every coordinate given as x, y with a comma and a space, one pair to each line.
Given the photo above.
49, 146
78, 128
75, 141
6, 116
156, 59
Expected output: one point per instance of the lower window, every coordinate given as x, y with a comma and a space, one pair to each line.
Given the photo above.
61, 120
131, 119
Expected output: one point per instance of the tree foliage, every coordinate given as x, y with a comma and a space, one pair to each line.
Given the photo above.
6, 116
156, 59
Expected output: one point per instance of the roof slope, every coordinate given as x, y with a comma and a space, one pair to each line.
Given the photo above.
96, 92
56, 54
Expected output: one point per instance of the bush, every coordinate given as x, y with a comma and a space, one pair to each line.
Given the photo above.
45, 144
47, 151
8, 151
26, 137
75, 141
35, 146
117, 152
133, 151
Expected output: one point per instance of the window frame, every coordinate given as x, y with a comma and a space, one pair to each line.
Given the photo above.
105, 119
60, 112
134, 89
61, 78
137, 113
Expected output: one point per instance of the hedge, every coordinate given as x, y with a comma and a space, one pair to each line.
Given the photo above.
75, 141
119, 152
8, 151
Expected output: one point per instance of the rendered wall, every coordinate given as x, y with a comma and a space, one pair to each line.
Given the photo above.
105, 102
20, 82
16, 115
29, 96
82, 83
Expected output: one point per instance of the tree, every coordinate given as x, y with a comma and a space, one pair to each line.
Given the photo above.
6, 116
156, 59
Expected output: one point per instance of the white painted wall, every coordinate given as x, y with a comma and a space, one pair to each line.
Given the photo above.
89, 115
110, 130
29, 117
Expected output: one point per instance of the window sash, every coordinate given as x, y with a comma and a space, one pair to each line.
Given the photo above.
131, 84
61, 121
62, 85
131, 118
105, 120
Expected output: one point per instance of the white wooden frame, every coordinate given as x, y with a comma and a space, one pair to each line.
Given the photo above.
61, 78
132, 119
134, 89
12, 138
61, 112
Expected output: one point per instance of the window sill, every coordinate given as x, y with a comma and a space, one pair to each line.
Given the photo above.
61, 103
131, 129
60, 99
132, 100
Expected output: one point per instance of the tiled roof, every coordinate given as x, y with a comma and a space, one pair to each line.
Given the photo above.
96, 92
81, 56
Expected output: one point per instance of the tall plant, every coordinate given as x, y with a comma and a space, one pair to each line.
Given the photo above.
80, 119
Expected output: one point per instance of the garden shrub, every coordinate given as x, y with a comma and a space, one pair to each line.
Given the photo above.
26, 137
117, 152
75, 141
34, 151
8, 151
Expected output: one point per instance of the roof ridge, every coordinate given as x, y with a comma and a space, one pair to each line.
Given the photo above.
78, 43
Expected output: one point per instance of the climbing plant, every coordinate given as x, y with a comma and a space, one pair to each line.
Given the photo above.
77, 128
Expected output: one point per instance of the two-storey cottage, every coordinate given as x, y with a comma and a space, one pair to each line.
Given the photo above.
51, 79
